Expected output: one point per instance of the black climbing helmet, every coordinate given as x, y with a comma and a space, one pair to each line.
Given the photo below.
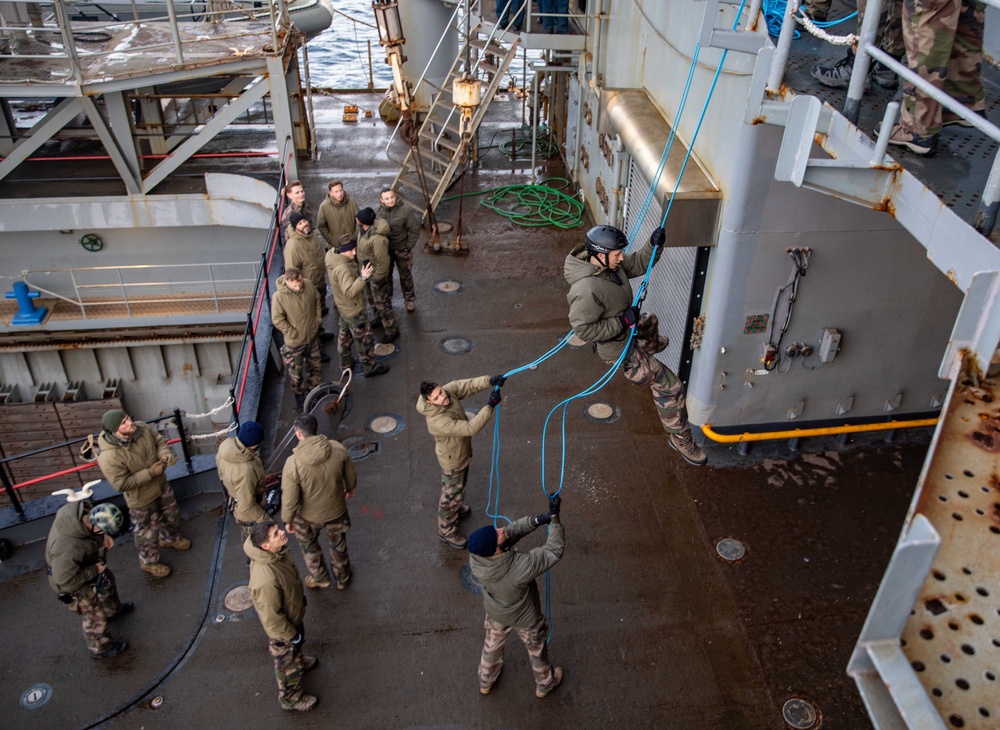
605, 239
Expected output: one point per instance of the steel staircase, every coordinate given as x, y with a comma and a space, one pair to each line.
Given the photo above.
440, 142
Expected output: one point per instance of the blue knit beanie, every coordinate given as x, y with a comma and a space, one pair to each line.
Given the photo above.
251, 433
483, 542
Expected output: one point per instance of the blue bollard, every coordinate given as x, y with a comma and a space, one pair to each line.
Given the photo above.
27, 313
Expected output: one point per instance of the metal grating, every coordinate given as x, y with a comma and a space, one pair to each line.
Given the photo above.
952, 638
669, 289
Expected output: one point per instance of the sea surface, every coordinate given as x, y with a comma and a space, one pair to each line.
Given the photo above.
338, 57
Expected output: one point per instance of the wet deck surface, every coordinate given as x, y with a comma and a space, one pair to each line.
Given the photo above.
653, 628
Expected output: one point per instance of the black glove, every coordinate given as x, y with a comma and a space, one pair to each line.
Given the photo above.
298, 639
658, 238
555, 501
497, 381
542, 519
495, 398
66, 598
629, 317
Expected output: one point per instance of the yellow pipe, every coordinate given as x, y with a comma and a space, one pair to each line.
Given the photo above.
804, 432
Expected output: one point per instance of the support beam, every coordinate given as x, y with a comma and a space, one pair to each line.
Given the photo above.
283, 131
120, 121
127, 174
180, 131
8, 129
152, 119
211, 128
57, 118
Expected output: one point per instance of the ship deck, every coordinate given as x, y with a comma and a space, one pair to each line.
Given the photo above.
653, 628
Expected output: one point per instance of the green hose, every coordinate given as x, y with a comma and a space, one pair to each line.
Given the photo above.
533, 206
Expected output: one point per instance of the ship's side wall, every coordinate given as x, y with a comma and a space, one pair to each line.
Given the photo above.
867, 277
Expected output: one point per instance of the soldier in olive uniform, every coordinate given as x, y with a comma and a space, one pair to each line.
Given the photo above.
80, 536
296, 313
242, 474
404, 230
133, 458
373, 246
276, 593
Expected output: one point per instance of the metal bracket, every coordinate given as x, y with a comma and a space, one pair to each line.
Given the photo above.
112, 388
797, 142
44, 393
73, 392
977, 328
8, 394
893, 695
732, 40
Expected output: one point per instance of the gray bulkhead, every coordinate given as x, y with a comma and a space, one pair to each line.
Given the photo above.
867, 277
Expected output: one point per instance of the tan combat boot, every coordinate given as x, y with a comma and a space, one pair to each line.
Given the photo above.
313, 583
157, 570
177, 543
684, 444
454, 539
303, 704
557, 675
309, 662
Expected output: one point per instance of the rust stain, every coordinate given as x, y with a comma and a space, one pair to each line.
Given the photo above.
188, 367
759, 120
952, 276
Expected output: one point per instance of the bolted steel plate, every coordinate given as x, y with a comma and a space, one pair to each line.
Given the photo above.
360, 447
799, 714
456, 345
601, 411
385, 424
384, 349
449, 286
238, 599
731, 549
382, 424
35, 696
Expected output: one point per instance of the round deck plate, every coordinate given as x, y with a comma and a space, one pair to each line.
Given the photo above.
731, 549
238, 599
799, 714
35, 696
456, 345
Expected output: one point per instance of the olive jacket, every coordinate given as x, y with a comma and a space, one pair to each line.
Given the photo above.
242, 474
346, 284
449, 425
337, 219
305, 253
404, 225
126, 464
315, 480
72, 551
276, 591
510, 594
296, 314
373, 245
598, 296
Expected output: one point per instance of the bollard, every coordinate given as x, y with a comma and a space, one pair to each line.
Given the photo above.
27, 313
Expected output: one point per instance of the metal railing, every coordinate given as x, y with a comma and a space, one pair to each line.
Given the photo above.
272, 18
261, 297
126, 293
990, 198
10, 487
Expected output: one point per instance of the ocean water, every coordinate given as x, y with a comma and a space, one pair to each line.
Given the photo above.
338, 57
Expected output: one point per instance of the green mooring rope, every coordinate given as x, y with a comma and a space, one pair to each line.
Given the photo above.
533, 206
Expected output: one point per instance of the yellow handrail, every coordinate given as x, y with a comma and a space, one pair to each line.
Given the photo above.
805, 432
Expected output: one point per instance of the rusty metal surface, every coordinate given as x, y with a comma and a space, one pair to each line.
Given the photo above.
953, 636
137, 49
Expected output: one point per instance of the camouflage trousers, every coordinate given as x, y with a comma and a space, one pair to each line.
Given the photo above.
307, 533
96, 603
356, 331
944, 45
533, 637
161, 519
288, 670
452, 498
888, 37
382, 301
402, 259
668, 392
303, 366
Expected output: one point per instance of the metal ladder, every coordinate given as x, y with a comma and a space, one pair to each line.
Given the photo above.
440, 141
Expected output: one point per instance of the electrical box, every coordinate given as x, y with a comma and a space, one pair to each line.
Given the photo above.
829, 344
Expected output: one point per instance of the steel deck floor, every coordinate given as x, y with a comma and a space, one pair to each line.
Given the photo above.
653, 628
